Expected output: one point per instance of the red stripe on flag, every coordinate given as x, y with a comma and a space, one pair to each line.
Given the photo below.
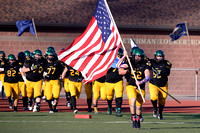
74, 43
100, 58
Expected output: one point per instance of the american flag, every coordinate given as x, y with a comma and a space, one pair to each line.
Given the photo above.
96, 48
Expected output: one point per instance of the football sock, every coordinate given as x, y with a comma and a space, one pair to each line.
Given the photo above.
25, 101
154, 103
118, 102
73, 98
161, 107
49, 103
89, 103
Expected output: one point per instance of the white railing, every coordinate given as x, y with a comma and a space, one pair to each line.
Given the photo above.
196, 78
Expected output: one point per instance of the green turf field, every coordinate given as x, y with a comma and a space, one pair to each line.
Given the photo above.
20, 122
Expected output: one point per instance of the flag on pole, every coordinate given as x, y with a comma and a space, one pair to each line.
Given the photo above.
96, 48
133, 44
179, 31
22, 25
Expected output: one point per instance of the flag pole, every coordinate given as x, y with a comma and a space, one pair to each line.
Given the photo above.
35, 30
124, 49
187, 32
196, 72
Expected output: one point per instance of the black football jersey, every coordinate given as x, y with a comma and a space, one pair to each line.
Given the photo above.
112, 75
36, 74
139, 69
11, 72
161, 71
101, 79
68, 72
74, 75
53, 70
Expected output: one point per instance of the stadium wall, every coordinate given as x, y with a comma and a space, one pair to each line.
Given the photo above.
181, 54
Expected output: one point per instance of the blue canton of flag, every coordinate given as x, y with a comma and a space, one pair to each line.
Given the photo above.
103, 20
22, 25
179, 31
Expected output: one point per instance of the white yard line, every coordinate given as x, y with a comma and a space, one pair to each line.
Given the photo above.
110, 122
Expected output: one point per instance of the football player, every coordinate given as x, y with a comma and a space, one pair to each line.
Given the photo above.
28, 57
66, 86
161, 71
11, 69
88, 92
114, 83
34, 73
2, 62
142, 72
22, 87
52, 85
75, 85
98, 90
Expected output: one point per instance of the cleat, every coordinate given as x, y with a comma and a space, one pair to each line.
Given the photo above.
109, 111
141, 119
89, 110
75, 111
160, 117
155, 114
95, 110
137, 124
51, 111
25, 109
133, 120
118, 113
55, 110
15, 111
34, 109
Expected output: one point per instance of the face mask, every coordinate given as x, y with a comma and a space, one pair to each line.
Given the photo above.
137, 61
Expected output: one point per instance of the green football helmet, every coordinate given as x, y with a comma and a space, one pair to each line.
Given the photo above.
159, 53
37, 52
51, 48
50, 53
3, 53
133, 50
11, 57
27, 53
139, 52
120, 52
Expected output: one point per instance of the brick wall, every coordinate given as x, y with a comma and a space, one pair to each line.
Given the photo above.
181, 82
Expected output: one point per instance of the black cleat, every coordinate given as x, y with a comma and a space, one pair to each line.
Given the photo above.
137, 125
25, 109
160, 116
90, 110
133, 120
118, 113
